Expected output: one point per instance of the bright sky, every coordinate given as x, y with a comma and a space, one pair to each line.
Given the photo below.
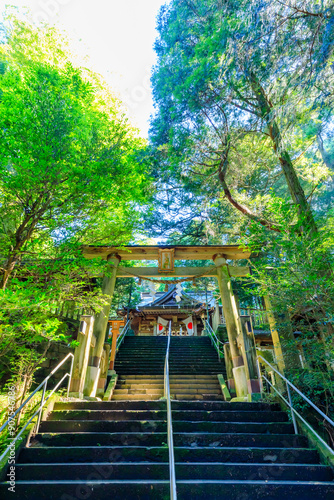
117, 36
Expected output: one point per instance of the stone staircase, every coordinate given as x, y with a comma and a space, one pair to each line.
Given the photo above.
194, 355
193, 365
141, 356
188, 355
182, 387
118, 449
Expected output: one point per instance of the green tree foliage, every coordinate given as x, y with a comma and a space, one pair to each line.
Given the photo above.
235, 86
70, 164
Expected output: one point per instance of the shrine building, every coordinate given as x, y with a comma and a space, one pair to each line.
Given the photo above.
187, 312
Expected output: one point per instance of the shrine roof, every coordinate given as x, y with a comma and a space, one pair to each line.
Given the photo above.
168, 300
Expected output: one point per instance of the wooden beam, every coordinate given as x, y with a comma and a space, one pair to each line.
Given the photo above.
180, 272
239, 271
182, 252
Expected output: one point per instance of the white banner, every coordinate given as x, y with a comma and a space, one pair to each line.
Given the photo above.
161, 325
189, 324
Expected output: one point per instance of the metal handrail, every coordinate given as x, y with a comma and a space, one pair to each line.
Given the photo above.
294, 412
122, 335
214, 339
172, 480
42, 402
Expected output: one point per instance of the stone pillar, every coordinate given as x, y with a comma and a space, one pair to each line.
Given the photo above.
249, 352
233, 325
229, 368
81, 356
101, 385
274, 335
100, 326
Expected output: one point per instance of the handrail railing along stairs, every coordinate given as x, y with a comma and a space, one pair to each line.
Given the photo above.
121, 337
218, 344
172, 480
42, 402
289, 403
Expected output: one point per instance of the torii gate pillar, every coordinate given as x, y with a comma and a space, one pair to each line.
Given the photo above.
233, 325
93, 384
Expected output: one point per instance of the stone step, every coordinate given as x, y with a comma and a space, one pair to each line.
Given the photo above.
175, 370
141, 376
136, 425
134, 365
188, 390
161, 377
100, 489
185, 386
173, 361
138, 364
193, 368
155, 355
209, 351
180, 396
100, 439
144, 348
180, 439
136, 397
206, 405
140, 384
193, 415
229, 416
196, 397
199, 385
174, 358
178, 363
125, 385
272, 489
139, 387
193, 364
138, 391
194, 377
227, 406
218, 471
102, 453
102, 405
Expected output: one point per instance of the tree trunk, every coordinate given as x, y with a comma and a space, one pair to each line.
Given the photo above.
296, 191
22, 235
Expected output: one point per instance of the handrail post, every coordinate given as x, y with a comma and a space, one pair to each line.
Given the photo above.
292, 412
41, 406
70, 377
260, 374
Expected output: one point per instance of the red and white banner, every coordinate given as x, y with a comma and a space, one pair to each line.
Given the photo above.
190, 325
161, 325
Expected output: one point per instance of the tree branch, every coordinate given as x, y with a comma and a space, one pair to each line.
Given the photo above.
244, 210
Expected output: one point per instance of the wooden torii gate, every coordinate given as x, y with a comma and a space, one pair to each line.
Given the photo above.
242, 373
